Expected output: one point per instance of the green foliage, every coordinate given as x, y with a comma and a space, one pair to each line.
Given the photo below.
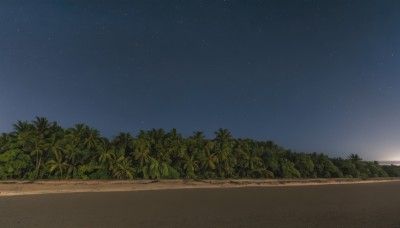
375, 170
42, 149
348, 168
14, 164
85, 170
122, 168
324, 167
392, 170
173, 173
100, 174
303, 163
287, 169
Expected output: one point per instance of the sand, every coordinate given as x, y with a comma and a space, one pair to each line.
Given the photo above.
330, 205
13, 188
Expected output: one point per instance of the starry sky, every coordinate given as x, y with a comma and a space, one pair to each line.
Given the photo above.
315, 75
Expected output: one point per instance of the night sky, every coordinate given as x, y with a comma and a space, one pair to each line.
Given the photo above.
318, 76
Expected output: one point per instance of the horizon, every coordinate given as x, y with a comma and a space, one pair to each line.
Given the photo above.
308, 75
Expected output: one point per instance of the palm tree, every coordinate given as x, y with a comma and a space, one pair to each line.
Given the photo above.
23, 132
42, 125
54, 145
152, 170
105, 151
155, 135
76, 146
173, 134
122, 168
91, 136
38, 147
148, 165
164, 162
72, 151
122, 141
249, 161
196, 141
141, 152
354, 157
223, 136
198, 135
209, 160
58, 164
78, 130
190, 164
22, 126
223, 151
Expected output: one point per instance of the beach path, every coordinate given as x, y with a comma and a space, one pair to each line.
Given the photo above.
342, 205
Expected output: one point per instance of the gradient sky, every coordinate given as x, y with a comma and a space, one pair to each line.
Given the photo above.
310, 75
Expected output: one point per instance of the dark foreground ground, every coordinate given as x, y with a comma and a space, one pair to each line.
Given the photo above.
350, 205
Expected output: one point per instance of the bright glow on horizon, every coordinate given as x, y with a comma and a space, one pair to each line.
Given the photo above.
392, 155
393, 159
386, 149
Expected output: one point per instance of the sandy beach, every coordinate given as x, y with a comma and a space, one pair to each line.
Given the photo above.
12, 188
372, 204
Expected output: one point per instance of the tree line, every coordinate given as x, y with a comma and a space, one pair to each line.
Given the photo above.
41, 149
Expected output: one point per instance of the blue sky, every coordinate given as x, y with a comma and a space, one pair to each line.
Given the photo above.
310, 75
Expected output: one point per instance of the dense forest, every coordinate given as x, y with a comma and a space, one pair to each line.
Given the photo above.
41, 149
